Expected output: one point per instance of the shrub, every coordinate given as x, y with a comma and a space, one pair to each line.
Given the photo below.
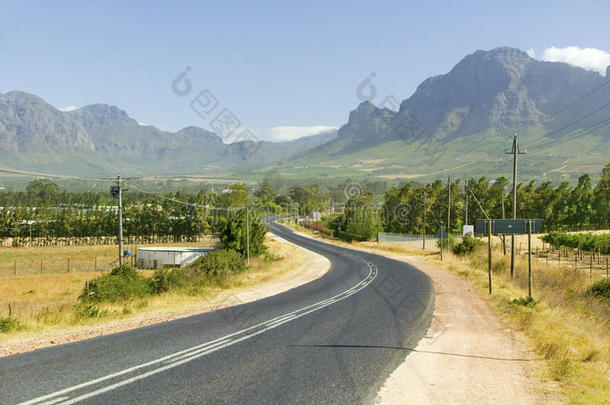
9, 324
215, 267
601, 288
467, 245
525, 301
121, 284
349, 237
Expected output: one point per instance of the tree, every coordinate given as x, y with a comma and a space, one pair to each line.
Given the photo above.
601, 199
233, 234
265, 193
42, 192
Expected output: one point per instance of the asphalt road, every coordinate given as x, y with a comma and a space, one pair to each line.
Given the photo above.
332, 341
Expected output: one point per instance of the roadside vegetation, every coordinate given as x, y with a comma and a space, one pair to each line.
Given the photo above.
567, 321
34, 304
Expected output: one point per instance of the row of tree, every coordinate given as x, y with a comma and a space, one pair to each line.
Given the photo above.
414, 208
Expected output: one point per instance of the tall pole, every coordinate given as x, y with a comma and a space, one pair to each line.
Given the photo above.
424, 235
515, 152
529, 258
248, 233
448, 209
503, 217
120, 210
466, 207
489, 252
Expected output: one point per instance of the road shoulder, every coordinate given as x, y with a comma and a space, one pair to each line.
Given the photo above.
468, 355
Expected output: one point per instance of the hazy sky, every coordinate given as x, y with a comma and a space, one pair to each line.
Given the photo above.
272, 63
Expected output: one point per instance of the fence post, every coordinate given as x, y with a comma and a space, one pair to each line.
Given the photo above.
68, 269
10, 312
41, 267
15, 267
95, 264
575, 262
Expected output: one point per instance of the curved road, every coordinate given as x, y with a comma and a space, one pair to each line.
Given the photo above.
332, 341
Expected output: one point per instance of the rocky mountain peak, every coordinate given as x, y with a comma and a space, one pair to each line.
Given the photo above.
96, 116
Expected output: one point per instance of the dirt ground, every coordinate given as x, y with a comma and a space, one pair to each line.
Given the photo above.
469, 356
313, 267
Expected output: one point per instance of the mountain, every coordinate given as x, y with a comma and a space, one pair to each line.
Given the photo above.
29, 124
102, 139
461, 122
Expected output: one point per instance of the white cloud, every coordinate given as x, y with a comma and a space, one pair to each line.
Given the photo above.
68, 108
288, 133
142, 124
587, 58
531, 53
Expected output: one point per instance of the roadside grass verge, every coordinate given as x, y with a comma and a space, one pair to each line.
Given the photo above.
567, 323
49, 303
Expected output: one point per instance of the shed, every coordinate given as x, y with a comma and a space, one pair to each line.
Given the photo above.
157, 257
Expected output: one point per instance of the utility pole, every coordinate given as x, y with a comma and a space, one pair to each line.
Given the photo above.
515, 152
248, 233
448, 209
466, 207
503, 217
529, 258
424, 235
120, 195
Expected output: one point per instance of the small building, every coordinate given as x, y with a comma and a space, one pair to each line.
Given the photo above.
158, 257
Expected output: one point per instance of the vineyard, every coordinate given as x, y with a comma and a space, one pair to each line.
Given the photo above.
586, 242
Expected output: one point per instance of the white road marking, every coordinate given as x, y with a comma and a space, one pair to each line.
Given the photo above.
198, 351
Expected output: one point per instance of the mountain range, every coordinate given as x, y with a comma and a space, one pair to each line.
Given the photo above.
459, 122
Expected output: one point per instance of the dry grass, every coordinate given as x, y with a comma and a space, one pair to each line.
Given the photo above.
44, 304
567, 327
27, 260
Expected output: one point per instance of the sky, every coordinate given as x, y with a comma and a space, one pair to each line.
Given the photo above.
282, 68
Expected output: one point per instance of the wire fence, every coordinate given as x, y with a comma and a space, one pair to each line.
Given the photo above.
430, 242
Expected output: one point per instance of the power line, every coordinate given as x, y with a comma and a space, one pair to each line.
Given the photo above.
52, 176
576, 102
577, 120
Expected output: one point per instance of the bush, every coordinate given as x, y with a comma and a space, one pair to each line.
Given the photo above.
349, 237
467, 245
215, 267
121, 284
601, 288
525, 301
9, 324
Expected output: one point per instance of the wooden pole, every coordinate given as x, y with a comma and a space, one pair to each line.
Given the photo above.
15, 268
529, 258
68, 269
489, 253
41, 267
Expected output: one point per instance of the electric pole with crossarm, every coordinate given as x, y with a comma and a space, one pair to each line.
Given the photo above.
515, 152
